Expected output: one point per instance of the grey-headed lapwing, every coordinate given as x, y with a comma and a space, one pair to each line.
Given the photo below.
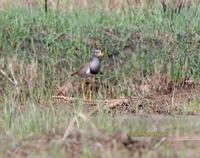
89, 70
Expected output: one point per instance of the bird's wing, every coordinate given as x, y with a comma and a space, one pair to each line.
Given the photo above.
82, 70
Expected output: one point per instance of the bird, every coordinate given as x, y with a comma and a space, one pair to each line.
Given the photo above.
90, 70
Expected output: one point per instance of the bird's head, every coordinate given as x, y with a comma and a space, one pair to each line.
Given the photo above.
98, 53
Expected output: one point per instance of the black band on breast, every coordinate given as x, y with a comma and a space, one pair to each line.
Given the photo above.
94, 72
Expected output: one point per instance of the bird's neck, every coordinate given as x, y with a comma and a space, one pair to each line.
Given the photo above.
95, 59
95, 65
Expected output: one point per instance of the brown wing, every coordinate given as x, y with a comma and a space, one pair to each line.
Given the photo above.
82, 70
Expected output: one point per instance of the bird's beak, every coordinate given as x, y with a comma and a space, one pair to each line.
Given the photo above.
101, 54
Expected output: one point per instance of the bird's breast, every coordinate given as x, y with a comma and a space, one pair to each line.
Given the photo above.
95, 66
95, 71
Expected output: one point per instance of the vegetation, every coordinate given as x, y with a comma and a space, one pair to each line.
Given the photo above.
151, 61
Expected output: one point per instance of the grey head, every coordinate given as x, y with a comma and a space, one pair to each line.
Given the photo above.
97, 53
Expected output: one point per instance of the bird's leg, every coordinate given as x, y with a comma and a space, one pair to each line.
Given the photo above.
90, 92
83, 88
90, 89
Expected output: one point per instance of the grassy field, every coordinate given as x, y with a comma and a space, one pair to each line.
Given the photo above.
145, 100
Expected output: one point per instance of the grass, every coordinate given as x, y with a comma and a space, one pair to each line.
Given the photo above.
149, 50
48, 41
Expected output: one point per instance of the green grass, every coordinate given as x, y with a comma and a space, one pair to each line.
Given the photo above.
39, 51
164, 45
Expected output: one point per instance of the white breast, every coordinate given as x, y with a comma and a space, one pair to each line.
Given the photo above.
88, 71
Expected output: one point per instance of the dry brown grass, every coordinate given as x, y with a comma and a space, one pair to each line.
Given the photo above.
20, 76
